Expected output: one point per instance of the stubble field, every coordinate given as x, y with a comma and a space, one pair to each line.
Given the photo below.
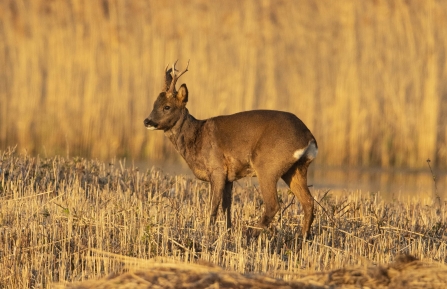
73, 219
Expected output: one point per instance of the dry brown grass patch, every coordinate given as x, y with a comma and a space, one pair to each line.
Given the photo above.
405, 273
66, 220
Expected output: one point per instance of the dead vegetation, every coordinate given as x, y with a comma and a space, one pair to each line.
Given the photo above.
406, 272
368, 77
70, 220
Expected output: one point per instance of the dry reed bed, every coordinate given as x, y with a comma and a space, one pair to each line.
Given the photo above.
59, 218
367, 77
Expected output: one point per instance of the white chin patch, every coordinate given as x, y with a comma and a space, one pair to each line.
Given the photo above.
151, 127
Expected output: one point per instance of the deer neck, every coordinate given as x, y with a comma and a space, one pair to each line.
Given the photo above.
184, 134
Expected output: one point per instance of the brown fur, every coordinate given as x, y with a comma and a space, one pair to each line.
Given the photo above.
223, 149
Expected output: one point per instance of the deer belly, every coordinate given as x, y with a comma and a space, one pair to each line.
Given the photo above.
238, 170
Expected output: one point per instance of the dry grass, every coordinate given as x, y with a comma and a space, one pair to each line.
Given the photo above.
76, 219
405, 273
368, 77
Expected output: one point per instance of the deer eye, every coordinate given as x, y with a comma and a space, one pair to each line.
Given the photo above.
167, 107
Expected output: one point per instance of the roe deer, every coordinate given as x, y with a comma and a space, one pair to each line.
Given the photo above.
268, 144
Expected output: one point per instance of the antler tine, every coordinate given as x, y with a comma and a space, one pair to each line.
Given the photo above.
186, 69
176, 77
173, 68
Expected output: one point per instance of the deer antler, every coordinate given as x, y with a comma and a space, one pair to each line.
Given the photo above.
168, 78
174, 76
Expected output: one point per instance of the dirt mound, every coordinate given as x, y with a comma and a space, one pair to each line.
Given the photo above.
406, 272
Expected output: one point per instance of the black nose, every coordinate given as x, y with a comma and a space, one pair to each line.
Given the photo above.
150, 123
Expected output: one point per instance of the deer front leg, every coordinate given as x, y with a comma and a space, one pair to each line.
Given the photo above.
217, 190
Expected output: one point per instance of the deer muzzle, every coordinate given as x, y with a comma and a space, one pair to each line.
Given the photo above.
149, 124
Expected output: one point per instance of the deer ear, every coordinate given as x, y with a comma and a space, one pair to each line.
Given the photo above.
182, 94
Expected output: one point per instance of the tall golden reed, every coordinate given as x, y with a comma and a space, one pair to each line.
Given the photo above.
368, 77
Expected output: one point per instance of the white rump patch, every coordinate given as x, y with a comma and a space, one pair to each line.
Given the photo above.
298, 153
310, 151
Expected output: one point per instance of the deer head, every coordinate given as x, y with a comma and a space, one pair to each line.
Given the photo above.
170, 103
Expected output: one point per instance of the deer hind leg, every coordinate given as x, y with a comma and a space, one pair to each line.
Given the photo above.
296, 179
226, 202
